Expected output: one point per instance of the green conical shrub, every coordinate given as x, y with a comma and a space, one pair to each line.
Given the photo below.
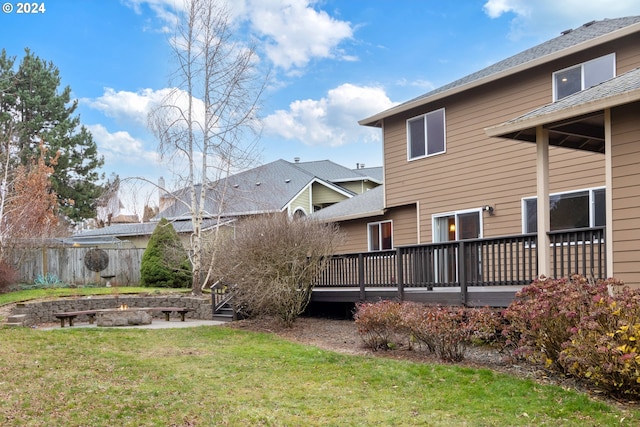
165, 263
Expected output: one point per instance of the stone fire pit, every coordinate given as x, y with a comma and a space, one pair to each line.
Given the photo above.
122, 317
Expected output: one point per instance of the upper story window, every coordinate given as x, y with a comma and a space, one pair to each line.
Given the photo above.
583, 76
425, 135
380, 236
576, 209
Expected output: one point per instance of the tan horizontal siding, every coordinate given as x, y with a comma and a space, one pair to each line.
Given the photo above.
355, 231
477, 170
626, 185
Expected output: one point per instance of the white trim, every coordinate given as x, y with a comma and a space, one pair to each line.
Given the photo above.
581, 65
588, 190
418, 222
426, 142
455, 214
299, 208
378, 223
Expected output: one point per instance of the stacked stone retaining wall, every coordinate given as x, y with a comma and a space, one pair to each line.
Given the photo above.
44, 311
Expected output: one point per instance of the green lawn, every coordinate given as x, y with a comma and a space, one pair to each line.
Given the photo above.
45, 293
217, 376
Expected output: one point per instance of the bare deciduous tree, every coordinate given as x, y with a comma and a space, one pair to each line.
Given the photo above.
274, 262
202, 124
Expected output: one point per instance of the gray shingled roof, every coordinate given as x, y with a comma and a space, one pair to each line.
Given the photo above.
268, 188
369, 203
140, 229
568, 39
334, 172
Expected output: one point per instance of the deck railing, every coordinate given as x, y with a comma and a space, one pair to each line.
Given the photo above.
497, 261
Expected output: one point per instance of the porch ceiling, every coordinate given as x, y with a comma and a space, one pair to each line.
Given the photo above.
580, 133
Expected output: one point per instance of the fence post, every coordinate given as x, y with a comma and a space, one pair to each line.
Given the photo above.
462, 276
399, 274
361, 276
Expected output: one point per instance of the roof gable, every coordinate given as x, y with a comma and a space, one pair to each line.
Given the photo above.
585, 36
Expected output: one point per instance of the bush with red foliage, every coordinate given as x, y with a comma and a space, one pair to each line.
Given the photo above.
8, 277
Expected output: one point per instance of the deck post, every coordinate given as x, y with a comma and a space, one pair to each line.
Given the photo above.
363, 295
399, 274
462, 276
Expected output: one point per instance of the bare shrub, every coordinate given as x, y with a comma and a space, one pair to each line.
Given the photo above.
273, 263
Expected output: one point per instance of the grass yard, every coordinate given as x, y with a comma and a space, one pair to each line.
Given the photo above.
216, 376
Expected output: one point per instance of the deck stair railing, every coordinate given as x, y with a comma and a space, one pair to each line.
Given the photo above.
221, 295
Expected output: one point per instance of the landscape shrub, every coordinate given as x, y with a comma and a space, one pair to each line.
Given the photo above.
448, 331
8, 277
545, 313
165, 263
415, 319
444, 331
379, 324
604, 349
272, 262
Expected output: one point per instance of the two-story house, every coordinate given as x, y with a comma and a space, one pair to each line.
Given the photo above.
533, 161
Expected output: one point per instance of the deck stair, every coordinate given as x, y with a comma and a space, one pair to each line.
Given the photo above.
224, 314
222, 301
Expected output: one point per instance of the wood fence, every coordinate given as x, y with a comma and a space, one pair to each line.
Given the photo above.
69, 265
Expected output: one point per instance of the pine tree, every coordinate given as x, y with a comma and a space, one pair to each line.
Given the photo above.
34, 109
165, 263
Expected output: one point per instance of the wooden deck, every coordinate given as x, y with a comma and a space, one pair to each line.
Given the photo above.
477, 296
478, 272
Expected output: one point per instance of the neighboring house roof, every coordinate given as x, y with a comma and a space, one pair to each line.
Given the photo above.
375, 173
588, 35
121, 231
370, 203
266, 188
336, 173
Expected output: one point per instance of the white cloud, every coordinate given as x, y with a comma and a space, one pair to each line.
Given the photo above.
296, 33
120, 147
293, 32
332, 120
545, 18
135, 106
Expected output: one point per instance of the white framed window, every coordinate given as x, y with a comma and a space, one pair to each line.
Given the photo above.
459, 225
426, 135
568, 210
583, 76
380, 235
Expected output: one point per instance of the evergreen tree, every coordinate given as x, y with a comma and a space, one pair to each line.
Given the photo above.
165, 263
34, 110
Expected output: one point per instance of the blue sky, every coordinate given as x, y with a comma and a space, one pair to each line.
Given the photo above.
333, 63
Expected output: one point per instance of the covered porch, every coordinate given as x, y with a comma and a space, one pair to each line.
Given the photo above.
604, 119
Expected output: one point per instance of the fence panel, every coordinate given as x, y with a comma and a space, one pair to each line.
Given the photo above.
68, 264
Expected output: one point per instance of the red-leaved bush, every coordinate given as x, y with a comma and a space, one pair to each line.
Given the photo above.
444, 331
604, 348
378, 323
8, 277
545, 314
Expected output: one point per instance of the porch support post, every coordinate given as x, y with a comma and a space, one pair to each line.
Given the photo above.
542, 174
608, 240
